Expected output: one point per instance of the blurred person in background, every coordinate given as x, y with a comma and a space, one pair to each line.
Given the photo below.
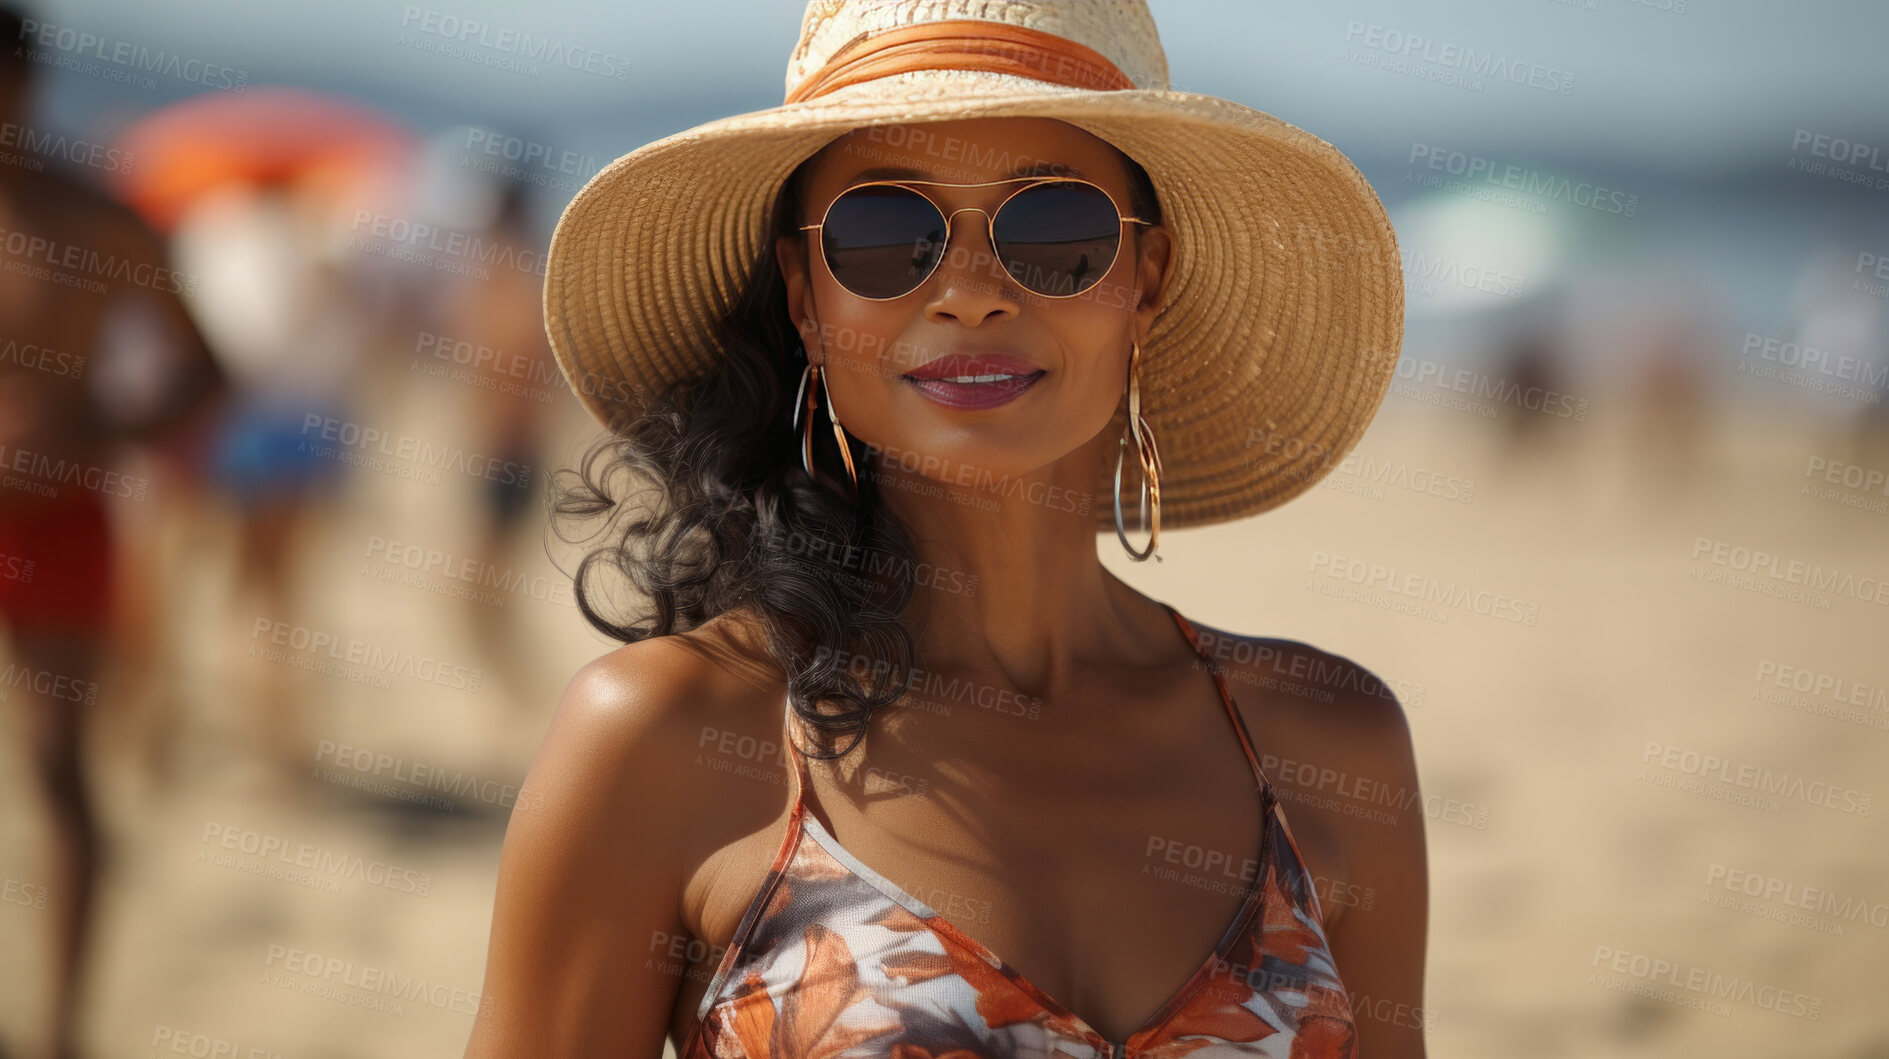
1530, 362
513, 374
97, 352
1532, 380
1869, 434
1669, 354
1840, 323
285, 317
255, 190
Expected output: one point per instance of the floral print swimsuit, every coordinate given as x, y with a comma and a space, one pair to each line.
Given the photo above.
832, 961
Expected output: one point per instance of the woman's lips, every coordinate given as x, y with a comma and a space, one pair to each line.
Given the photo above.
996, 389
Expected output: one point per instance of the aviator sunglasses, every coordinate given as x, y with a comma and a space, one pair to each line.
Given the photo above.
1056, 236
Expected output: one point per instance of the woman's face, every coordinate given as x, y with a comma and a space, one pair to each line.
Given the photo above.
971, 306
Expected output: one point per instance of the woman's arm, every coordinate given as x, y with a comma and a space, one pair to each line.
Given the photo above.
1380, 952
591, 870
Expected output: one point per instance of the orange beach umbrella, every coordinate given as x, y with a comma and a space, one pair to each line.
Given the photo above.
322, 143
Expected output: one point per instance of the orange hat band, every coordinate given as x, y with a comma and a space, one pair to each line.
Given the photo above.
964, 44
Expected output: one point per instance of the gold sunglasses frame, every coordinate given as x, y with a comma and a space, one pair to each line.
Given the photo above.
990, 232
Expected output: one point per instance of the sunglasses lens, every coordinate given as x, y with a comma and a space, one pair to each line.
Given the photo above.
1058, 239
882, 241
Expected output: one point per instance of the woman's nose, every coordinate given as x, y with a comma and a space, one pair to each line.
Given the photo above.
970, 283
978, 240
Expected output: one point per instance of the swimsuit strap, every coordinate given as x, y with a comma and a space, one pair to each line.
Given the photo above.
799, 779
1226, 698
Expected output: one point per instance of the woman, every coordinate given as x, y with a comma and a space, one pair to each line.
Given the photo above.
898, 767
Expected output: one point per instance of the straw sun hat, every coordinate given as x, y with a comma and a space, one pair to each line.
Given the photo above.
1283, 316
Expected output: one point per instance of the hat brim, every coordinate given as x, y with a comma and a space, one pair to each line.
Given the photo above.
1282, 323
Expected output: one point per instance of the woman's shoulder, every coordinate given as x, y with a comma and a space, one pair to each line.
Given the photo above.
1326, 709
615, 736
655, 697
609, 826
1335, 741
1309, 678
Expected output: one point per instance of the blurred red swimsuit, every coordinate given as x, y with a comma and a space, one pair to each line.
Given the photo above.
833, 961
57, 565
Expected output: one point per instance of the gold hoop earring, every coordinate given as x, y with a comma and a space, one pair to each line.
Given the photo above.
1149, 500
804, 401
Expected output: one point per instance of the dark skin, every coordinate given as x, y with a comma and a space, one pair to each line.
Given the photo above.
1026, 833
55, 416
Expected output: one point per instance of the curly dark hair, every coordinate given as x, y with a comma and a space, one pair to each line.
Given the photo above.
736, 523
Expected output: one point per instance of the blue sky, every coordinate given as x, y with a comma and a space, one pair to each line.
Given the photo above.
1717, 86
